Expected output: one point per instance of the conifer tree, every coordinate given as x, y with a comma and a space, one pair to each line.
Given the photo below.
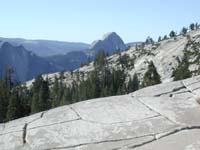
192, 26
135, 83
184, 31
2, 110
172, 34
149, 40
44, 102
105, 92
182, 71
151, 77
25, 100
35, 105
13, 110
100, 60
66, 98
6, 84
165, 37
8, 81
3, 106
159, 38
55, 93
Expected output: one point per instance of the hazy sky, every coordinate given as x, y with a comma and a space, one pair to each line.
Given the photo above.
87, 20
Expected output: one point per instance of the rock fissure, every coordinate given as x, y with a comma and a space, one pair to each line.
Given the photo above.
158, 136
73, 109
24, 133
171, 92
191, 91
53, 124
122, 122
25, 128
99, 142
150, 108
154, 138
198, 81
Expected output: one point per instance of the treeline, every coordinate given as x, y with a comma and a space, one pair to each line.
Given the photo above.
14, 100
103, 81
17, 101
173, 34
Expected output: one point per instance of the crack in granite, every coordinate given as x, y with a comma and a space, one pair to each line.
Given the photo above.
163, 135
99, 142
150, 108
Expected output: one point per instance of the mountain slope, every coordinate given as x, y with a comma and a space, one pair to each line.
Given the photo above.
47, 47
25, 64
149, 119
69, 61
164, 55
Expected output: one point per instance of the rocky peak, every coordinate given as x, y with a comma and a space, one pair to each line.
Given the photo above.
110, 42
6, 45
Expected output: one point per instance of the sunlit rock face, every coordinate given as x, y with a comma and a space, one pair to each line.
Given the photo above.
161, 117
110, 43
164, 54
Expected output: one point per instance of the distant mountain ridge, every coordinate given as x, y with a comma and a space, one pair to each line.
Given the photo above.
26, 65
47, 47
30, 58
110, 42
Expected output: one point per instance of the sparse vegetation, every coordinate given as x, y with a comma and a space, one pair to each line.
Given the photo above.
184, 31
151, 77
172, 34
192, 26
182, 71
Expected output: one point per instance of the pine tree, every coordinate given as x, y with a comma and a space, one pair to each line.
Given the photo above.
105, 92
135, 83
3, 106
151, 77
159, 38
182, 71
43, 101
8, 81
149, 40
172, 34
55, 93
13, 107
35, 105
165, 37
96, 84
66, 98
119, 91
100, 60
192, 26
2, 110
6, 84
74, 92
184, 31
25, 99
124, 61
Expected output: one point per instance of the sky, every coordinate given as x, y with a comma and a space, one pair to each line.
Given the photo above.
88, 20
